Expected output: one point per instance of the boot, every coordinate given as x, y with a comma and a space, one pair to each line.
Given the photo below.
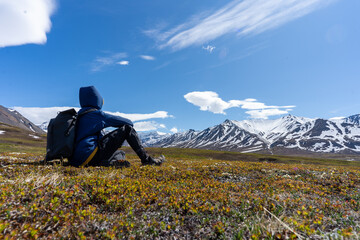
154, 161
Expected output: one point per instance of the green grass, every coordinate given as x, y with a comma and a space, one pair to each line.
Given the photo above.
15, 139
201, 154
22, 141
8, 147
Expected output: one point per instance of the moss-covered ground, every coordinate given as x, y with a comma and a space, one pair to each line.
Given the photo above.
195, 194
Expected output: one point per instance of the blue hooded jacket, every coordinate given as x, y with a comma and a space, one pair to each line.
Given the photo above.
89, 125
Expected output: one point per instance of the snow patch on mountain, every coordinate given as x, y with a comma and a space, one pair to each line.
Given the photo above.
34, 136
253, 149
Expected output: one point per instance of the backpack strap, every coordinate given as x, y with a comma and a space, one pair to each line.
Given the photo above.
73, 122
87, 111
90, 157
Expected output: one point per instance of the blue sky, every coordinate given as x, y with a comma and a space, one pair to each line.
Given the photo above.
181, 65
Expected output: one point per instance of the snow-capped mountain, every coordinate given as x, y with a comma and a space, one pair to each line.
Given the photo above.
354, 119
177, 139
44, 126
271, 130
289, 133
149, 138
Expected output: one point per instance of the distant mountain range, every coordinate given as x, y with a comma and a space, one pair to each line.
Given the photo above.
150, 138
14, 118
285, 135
289, 134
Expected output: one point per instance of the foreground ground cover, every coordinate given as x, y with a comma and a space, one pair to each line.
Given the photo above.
185, 198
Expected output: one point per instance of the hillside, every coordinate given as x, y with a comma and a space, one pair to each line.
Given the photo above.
18, 139
14, 118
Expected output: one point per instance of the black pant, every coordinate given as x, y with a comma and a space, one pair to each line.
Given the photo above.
111, 142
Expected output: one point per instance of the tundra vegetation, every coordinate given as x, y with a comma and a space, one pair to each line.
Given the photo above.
196, 194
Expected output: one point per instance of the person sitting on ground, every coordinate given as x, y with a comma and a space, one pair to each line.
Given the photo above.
94, 149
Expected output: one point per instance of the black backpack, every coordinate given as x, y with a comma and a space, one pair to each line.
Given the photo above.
61, 134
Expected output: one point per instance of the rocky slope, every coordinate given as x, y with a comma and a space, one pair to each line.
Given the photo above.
14, 118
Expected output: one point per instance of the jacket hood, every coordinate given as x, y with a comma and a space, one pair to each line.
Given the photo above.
90, 97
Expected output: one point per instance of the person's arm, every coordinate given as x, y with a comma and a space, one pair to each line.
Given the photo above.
115, 121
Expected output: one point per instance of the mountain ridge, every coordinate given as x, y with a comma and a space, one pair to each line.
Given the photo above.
288, 133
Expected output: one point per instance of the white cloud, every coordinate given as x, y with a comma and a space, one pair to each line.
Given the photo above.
240, 17
209, 48
174, 130
148, 126
124, 63
210, 101
142, 116
25, 21
147, 57
111, 59
39, 115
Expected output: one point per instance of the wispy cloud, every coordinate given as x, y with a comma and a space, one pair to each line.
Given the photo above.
223, 54
25, 21
210, 101
111, 59
148, 126
123, 63
39, 115
239, 17
209, 48
147, 57
163, 65
265, 113
336, 118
